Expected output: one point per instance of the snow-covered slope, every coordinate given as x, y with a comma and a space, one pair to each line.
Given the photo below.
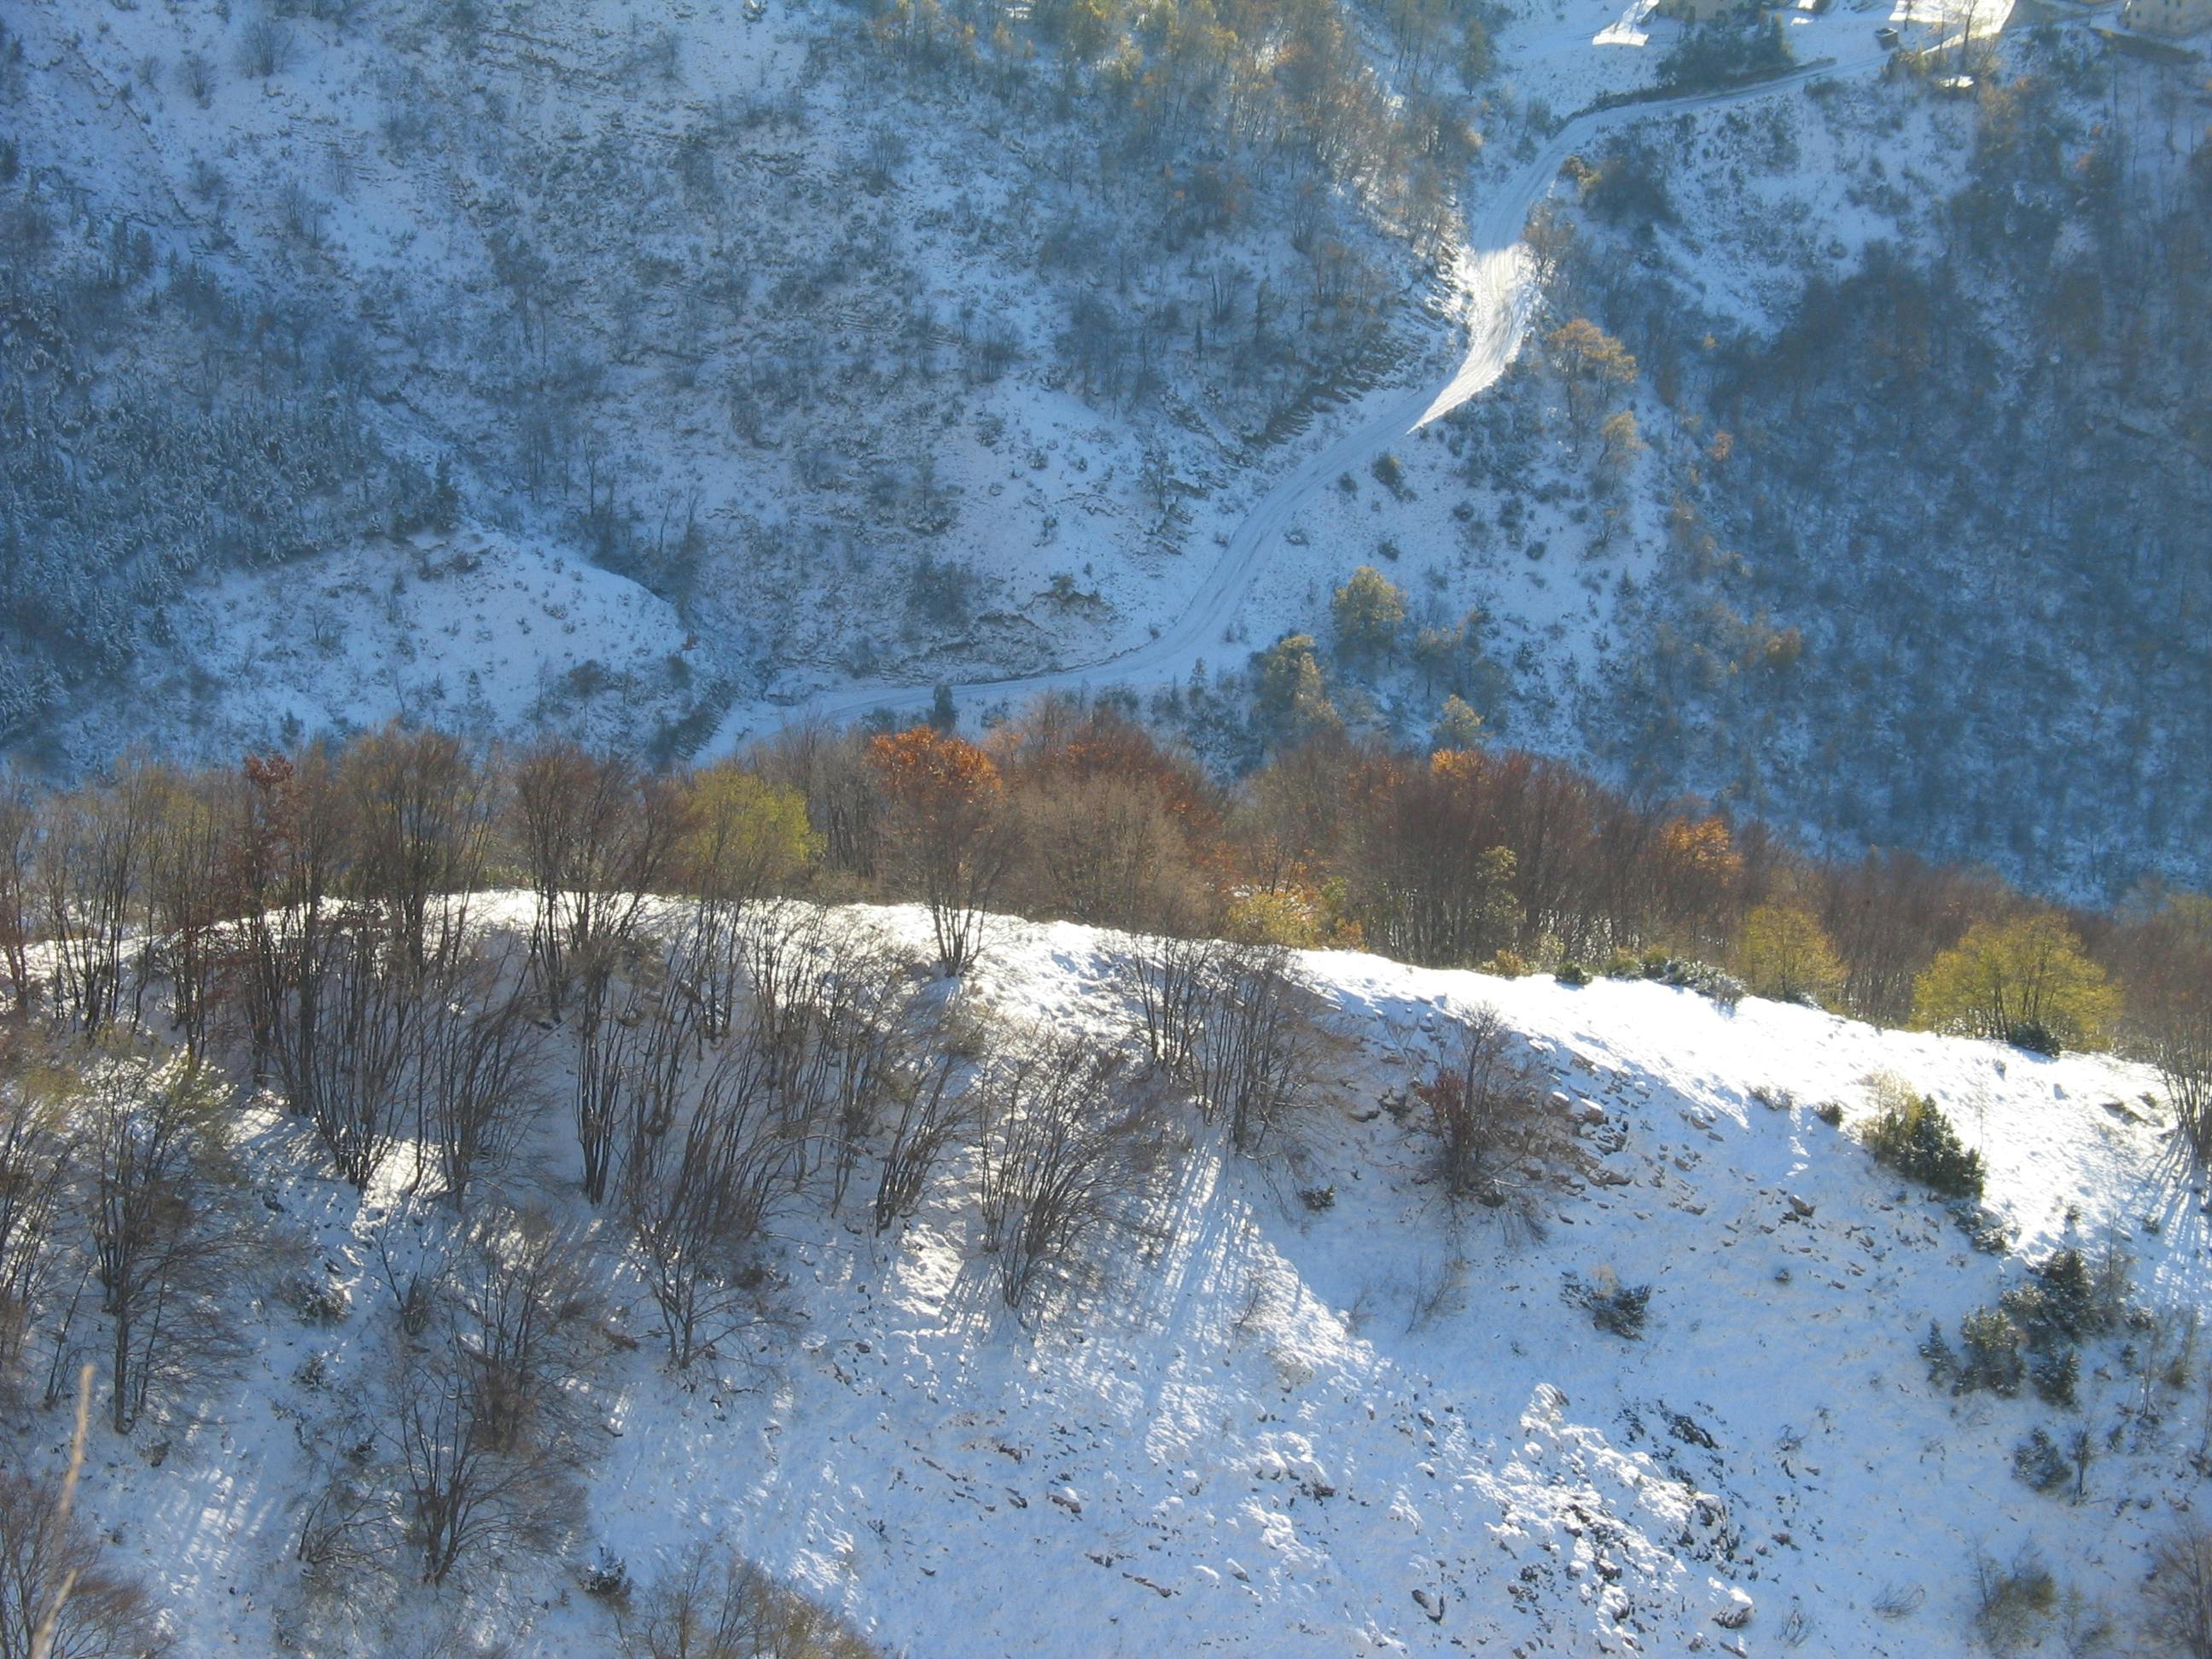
788, 322
1273, 1423
479, 632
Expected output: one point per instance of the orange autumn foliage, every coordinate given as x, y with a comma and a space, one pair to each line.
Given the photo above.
923, 770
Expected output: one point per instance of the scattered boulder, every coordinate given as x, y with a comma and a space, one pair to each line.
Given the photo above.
1734, 1609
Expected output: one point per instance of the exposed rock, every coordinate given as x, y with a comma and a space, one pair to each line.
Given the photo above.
1735, 1611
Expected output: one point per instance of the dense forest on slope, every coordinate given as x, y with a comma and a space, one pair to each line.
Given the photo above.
1971, 476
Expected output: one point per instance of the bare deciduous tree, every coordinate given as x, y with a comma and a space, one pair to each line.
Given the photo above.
715, 1604
930, 1119
862, 1042
485, 1422
421, 821
784, 952
2178, 1601
345, 1528
1059, 1146
163, 1248
267, 46
1107, 849
1171, 979
185, 910
596, 835
835, 778
91, 868
18, 841
196, 74
1254, 1048
1495, 1142
607, 1047
58, 1597
35, 1149
2168, 971
343, 1057
700, 1185
473, 1065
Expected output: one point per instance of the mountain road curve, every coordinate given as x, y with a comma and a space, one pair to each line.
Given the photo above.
1493, 273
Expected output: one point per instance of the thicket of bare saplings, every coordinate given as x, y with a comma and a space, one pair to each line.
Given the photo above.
404, 948
431, 959
321, 908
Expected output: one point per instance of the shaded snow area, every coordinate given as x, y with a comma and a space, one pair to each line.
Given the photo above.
478, 632
751, 349
767, 255
1769, 195
1270, 1421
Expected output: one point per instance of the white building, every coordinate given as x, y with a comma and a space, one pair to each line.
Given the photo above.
2174, 19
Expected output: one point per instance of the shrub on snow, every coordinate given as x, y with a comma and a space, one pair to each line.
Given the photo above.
1909, 1133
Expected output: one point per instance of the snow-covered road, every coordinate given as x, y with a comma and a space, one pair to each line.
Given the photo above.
1494, 278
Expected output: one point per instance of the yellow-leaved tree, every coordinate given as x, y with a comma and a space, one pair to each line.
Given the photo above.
1783, 952
2025, 983
744, 837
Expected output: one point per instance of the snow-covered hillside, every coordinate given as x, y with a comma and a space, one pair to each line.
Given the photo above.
1300, 1403
863, 365
854, 349
867, 352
